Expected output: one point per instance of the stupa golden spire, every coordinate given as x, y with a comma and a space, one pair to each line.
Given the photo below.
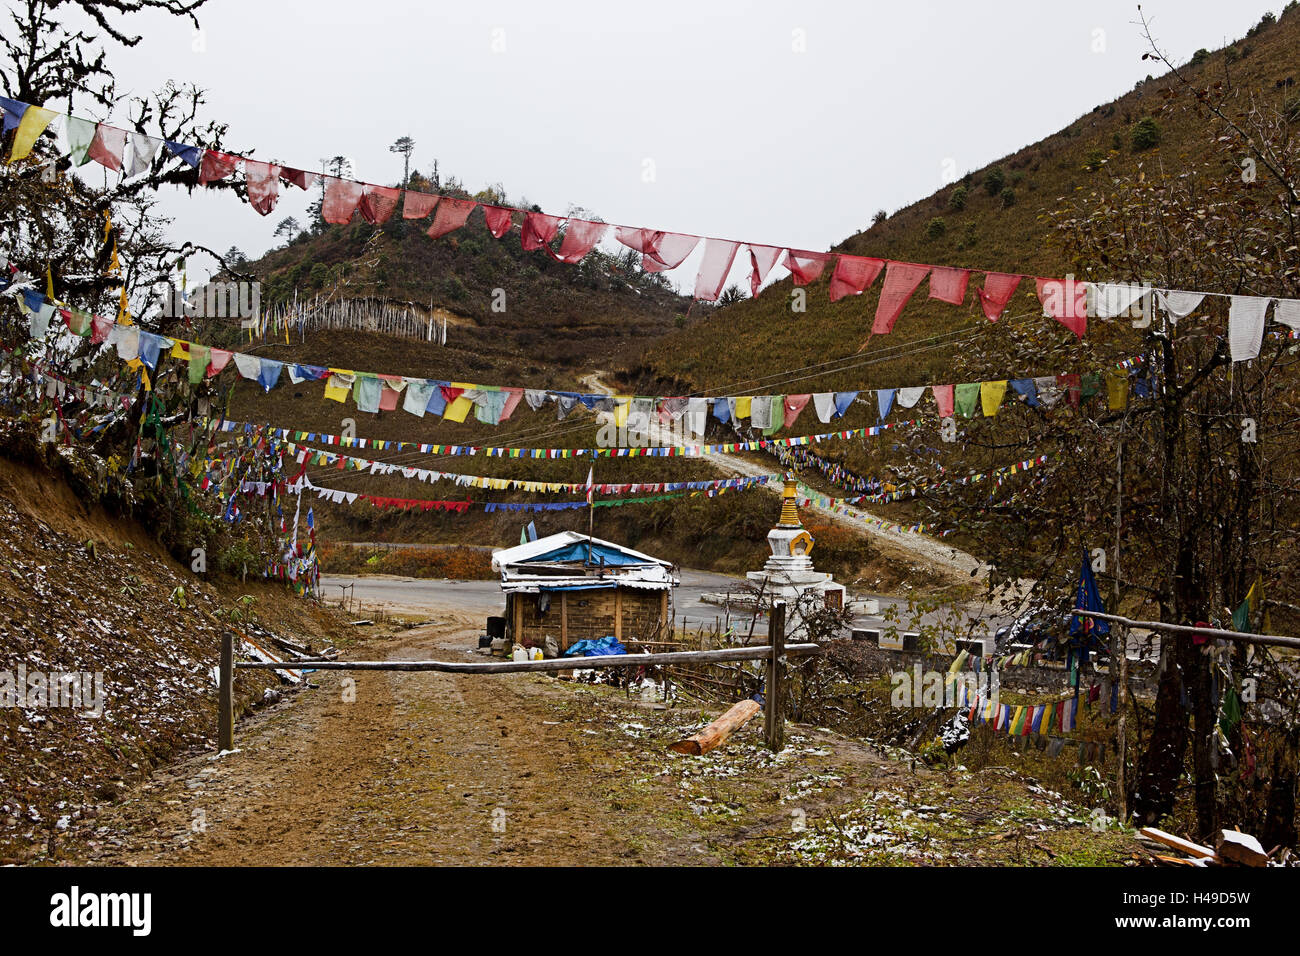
789, 512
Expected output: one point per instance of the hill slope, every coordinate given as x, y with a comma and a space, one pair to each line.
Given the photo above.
995, 218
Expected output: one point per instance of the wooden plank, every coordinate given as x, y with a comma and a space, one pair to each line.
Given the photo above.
1240, 848
773, 722
618, 613
757, 653
1176, 842
564, 622
717, 732
226, 693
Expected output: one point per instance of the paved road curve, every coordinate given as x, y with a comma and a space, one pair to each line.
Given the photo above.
473, 601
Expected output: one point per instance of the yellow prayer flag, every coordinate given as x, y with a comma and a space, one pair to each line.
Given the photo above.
457, 410
123, 310
743, 406
30, 128
991, 396
337, 392
1116, 391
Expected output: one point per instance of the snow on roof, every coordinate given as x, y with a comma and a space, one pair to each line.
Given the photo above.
618, 566
560, 547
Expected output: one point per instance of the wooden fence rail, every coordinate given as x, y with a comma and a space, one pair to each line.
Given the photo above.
774, 653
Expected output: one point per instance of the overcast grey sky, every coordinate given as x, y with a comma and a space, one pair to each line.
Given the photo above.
781, 123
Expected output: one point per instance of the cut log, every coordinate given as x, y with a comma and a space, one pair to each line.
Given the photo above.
1178, 843
718, 731
1240, 848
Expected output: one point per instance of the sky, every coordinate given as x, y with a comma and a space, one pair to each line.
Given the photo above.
778, 123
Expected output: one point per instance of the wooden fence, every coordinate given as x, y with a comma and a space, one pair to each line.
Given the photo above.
775, 653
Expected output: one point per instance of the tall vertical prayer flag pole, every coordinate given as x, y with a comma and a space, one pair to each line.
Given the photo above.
591, 508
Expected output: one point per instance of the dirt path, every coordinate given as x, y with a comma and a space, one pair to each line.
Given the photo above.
951, 562
422, 768
427, 768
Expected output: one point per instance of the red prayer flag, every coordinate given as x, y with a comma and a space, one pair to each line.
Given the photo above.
341, 199
388, 396
805, 266
1066, 301
107, 145
661, 250
378, 203
901, 280
794, 404
719, 254
215, 166
642, 240
943, 397
761, 261
852, 275
418, 205
298, 177
580, 237
949, 285
998, 289
451, 215
1071, 385
512, 402
539, 231
498, 220
263, 181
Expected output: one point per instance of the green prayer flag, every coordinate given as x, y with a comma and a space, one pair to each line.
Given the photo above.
966, 398
199, 358
1230, 714
1241, 617
79, 132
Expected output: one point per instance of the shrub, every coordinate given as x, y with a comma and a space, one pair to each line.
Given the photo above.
1266, 21
879, 217
1008, 197
1200, 56
454, 288
957, 199
935, 228
994, 180
1145, 134
1095, 159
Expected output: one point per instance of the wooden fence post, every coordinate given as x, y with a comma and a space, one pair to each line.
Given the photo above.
226, 693
773, 721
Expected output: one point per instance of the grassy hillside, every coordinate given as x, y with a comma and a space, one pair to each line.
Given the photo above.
507, 305
561, 321
995, 218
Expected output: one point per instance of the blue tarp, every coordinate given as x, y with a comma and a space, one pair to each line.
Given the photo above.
607, 645
578, 551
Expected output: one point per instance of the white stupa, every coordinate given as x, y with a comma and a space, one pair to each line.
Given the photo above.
789, 573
